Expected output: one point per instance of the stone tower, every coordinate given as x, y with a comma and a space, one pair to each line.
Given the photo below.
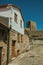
31, 25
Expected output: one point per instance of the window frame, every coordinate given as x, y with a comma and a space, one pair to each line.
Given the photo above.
21, 23
15, 17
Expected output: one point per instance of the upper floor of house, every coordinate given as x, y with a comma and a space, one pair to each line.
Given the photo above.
16, 20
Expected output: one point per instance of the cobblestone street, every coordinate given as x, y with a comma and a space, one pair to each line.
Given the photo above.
28, 58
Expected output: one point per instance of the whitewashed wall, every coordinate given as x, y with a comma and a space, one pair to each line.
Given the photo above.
10, 13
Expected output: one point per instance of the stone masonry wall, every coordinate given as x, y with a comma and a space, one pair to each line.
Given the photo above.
25, 44
4, 52
37, 47
13, 36
19, 47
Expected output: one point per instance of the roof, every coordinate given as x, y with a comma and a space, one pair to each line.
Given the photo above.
6, 5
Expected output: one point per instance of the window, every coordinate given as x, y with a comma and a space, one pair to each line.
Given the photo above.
15, 17
18, 37
21, 23
13, 42
21, 38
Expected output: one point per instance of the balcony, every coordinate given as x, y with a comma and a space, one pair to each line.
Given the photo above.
4, 21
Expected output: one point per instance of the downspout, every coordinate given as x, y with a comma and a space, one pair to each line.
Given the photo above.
8, 44
8, 47
10, 27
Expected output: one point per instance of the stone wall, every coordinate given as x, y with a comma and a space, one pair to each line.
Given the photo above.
4, 52
32, 25
25, 44
17, 46
37, 47
13, 37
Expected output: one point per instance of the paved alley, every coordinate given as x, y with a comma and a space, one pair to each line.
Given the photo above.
28, 58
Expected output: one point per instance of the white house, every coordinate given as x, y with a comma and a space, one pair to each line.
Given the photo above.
15, 17
16, 21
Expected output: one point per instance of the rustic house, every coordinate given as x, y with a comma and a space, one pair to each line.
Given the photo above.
16, 25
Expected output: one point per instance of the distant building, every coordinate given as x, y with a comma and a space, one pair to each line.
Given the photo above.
31, 25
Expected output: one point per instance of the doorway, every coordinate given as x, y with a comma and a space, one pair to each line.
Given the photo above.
0, 55
13, 49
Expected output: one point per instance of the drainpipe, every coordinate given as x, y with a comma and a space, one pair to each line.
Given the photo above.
8, 47
8, 44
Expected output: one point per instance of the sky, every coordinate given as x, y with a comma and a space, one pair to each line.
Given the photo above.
31, 10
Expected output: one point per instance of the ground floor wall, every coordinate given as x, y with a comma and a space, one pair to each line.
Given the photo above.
14, 45
3, 53
17, 47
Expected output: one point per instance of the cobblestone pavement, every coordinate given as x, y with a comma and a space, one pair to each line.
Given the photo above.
28, 58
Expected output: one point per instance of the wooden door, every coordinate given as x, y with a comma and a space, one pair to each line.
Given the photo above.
13, 49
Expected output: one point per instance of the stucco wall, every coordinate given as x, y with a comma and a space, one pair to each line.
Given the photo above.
9, 12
